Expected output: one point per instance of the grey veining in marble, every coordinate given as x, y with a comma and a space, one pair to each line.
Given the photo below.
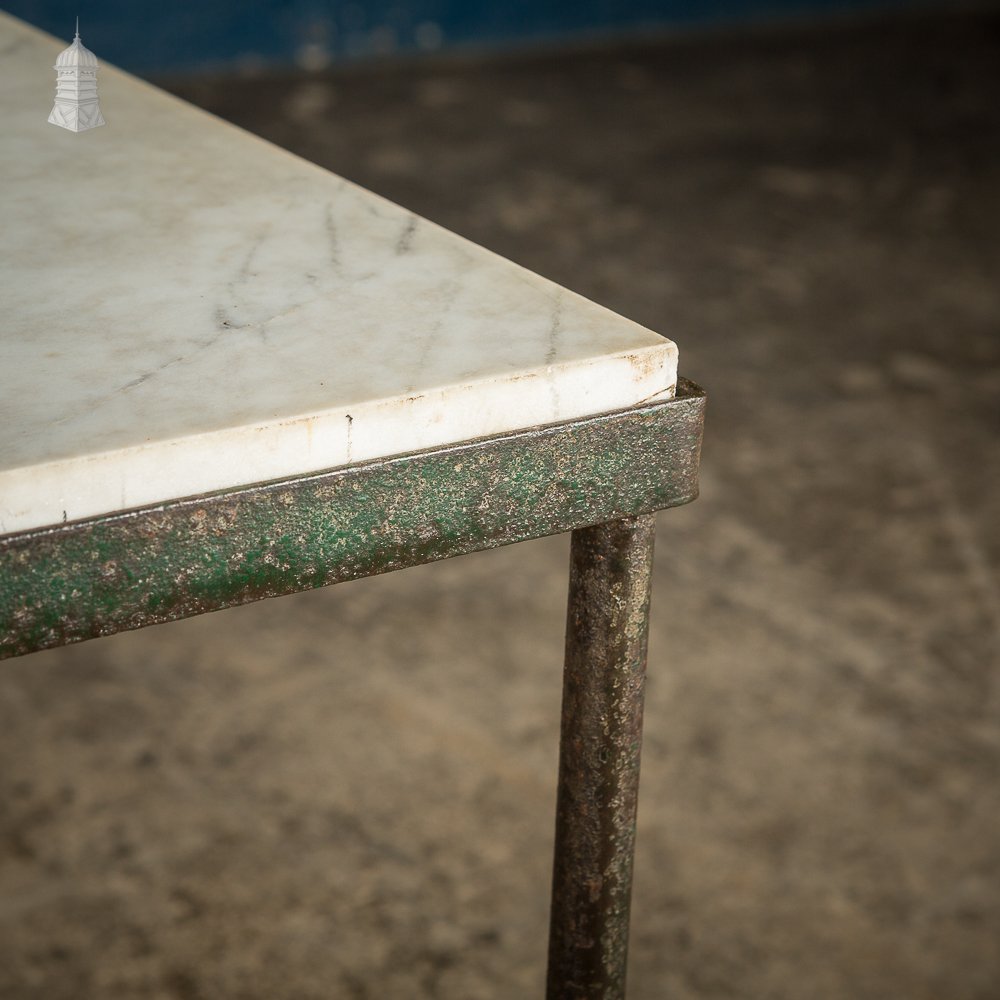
189, 308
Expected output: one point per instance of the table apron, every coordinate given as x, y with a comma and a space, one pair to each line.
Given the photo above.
128, 570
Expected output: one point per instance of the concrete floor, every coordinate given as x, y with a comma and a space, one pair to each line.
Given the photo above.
349, 793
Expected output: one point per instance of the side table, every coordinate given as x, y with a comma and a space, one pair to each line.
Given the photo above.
227, 374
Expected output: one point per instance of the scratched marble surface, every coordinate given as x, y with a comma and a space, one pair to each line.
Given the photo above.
190, 308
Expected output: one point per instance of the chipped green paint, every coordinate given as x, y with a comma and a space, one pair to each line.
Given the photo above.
97, 577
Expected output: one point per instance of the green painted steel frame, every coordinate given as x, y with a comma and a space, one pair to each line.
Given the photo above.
108, 574
602, 478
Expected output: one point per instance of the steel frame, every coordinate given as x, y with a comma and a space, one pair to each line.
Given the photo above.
601, 478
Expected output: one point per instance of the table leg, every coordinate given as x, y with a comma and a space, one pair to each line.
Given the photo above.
607, 628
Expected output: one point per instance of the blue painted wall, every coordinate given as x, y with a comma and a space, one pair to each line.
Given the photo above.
150, 36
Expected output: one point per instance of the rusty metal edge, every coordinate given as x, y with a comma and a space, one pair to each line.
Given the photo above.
104, 575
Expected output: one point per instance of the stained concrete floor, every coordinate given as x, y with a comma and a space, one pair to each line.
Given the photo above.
349, 793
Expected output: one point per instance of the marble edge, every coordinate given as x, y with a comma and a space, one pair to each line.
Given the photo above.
49, 494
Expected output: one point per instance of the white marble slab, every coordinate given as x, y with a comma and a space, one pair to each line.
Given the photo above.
188, 308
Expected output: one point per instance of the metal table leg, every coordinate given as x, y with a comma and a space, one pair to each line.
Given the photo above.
607, 629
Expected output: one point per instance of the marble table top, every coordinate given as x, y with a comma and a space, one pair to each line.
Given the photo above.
187, 308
